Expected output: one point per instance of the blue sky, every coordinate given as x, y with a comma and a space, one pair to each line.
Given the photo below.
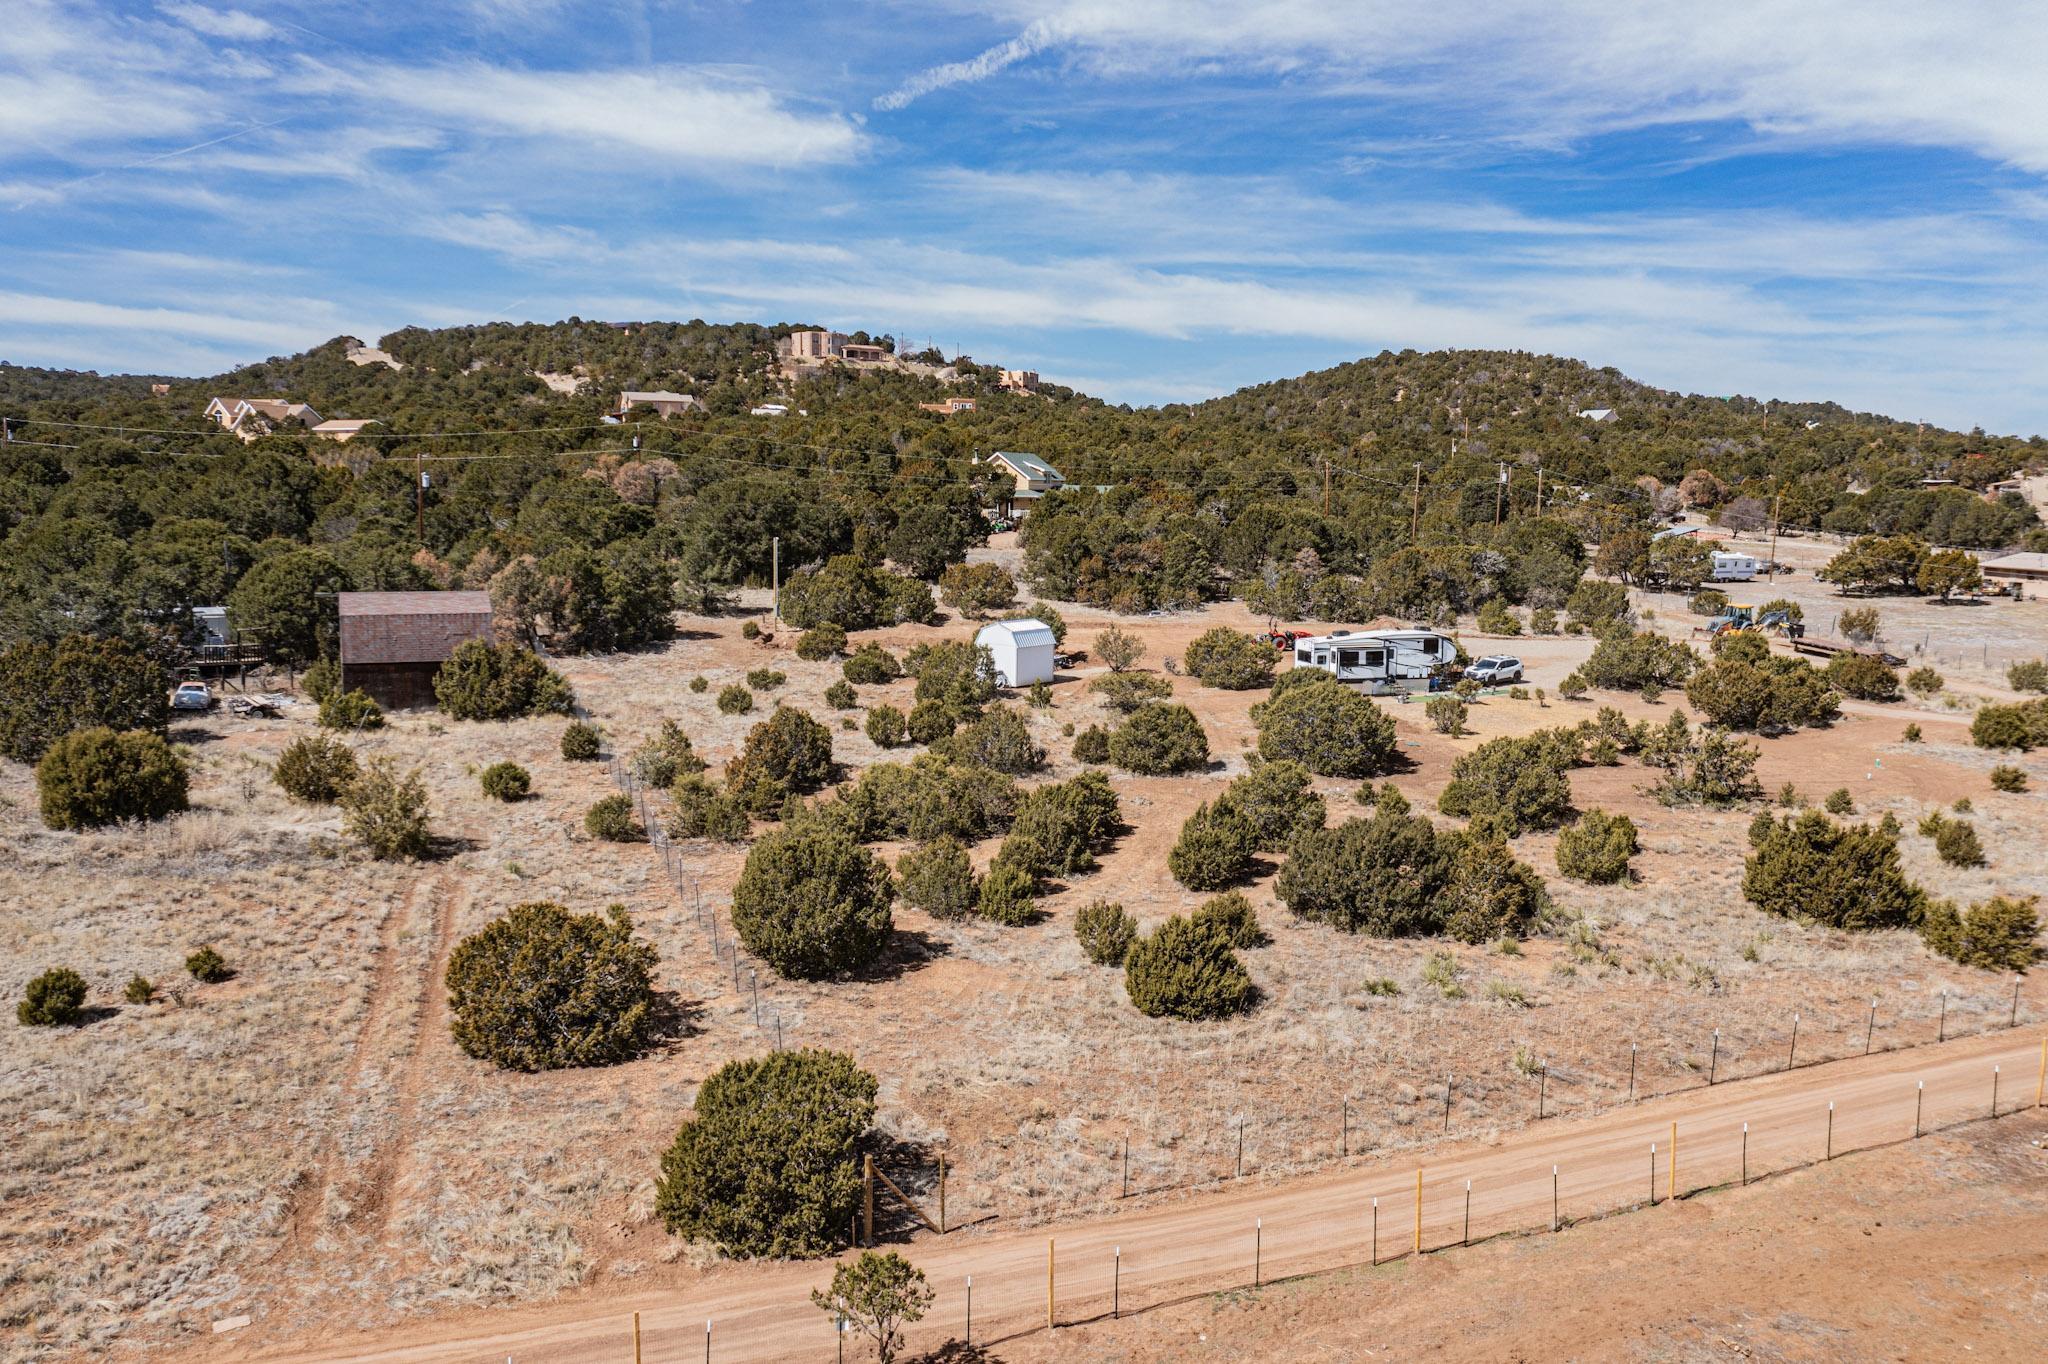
1152, 200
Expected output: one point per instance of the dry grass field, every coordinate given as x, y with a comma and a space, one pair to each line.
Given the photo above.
304, 1144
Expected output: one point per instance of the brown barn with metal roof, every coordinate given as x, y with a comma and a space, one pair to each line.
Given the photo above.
392, 643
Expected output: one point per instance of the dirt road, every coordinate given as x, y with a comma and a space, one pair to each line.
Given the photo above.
1209, 1241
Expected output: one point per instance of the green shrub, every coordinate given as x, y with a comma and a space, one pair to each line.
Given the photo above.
1006, 894
1128, 692
938, 879
750, 630
1091, 745
1512, 785
931, 721
352, 710
1771, 696
1631, 662
482, 681
1924, 681
321, 680
821, 642
1574, 686
208, 967
1496, 617
612, 819
1910, 735
54, 999
1595, 605
1844, 876
1860, 625
315, 769
2028, 675
1958, 844
786, 754
1447, 714
1232, 916
1277, 801
580, 742
1597, 848
977, 590
2023, 726
1707, 766
870, 666
90, 778
700, 810
1105, 932
544, 989
1839, 802
1063, 825
81, 682
1708, 601
955, 673
769, 1164
841, 696
700, 684
1229, 659
1998, 935
2006, 777
1160, 740
1041, 695
1543, 621
886, 727
1118, 648
140, 989
506, 781
1215, 849
1396, 875
766, 679
666, 757
1863, 677
386, 812
1740, 646
1186, 970
735, 700
1330, 730
812, 903
998, 740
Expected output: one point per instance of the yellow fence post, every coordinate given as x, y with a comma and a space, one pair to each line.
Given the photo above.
1418, 1210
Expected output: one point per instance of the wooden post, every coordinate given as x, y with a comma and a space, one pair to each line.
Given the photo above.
1631, 1072
636, 1338
1994, 1091
1375, 1233
1050, 1321
1418, 1211
1831, 1129
867, 1185
2041, 1080
1671, 1177
942, 1193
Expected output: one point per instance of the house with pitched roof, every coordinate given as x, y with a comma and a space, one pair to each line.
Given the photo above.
250, 418
1030, 479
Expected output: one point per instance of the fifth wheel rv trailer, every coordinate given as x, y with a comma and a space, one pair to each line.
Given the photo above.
1382, 661
1735, 568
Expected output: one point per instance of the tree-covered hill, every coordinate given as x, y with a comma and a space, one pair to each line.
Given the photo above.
120, 506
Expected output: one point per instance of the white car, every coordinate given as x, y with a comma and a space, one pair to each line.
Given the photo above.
192, 696
1495, 670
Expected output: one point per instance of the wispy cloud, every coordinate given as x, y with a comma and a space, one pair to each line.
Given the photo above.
235, 24
1030, 43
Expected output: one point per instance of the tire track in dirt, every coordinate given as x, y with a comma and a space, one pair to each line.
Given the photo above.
309, 1197
387, 1169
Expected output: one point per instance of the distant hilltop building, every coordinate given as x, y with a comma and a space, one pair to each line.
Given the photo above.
250, 418
344, 429
1018, 380
948, 406
1597, 414
664, 403
812, 345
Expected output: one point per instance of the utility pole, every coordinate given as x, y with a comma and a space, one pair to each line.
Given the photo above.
775, 551
1500, 487
419, 493
1415, 515
1539, 490
1326, 485
1777, 509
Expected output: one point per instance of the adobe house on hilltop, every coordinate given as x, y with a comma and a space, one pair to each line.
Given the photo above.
392, 643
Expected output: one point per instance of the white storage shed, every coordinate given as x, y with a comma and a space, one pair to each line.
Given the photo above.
1022, 650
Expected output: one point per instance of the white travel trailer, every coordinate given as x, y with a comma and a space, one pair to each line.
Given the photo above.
1730, 567
1022, 650
1381, 661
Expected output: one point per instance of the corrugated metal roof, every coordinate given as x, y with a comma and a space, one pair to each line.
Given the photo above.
2029, 561
1031, 466
415, 603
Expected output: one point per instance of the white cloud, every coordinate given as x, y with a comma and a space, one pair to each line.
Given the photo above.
1962, 74
45, 310
234, 24
667, 116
